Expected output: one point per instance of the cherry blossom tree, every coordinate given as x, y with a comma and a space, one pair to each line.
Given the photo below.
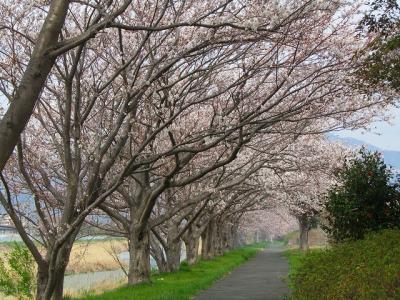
303, 186
136, 110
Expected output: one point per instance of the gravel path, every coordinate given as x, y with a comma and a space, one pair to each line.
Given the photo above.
261, 278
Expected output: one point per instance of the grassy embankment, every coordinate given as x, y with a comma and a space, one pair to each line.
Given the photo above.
365, 269
185, 283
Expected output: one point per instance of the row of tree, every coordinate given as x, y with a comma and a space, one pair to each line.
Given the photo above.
167, 121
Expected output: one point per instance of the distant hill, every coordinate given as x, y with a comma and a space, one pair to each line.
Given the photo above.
391, 157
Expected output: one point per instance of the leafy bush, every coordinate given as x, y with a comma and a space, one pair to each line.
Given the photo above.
380, 65
17, 273
364, 200
363, 269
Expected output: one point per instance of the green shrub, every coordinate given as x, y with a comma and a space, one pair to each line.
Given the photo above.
363, 269
365, 200
17, 273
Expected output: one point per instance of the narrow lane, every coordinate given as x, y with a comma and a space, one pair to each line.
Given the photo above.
261, 278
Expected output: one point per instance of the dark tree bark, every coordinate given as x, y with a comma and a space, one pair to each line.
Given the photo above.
229, 237
304, 227
50, 278
208, 241
218, 241
41, 282
59, 289
173, 247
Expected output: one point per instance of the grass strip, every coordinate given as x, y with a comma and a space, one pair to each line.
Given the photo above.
294, 257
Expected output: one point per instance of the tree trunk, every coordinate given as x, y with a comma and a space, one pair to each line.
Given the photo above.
191, 238
263, 236
139, 257
230, 238
225, 236
158, 254
192, 250
50, 282
304, 227
32, 82
59, 286
256, 236
161, 263
218, 232
208, 246
204, 245
41, 282
237, 239
173, 253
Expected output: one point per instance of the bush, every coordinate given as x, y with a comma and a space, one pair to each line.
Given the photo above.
363, 269
17, 273
364, 200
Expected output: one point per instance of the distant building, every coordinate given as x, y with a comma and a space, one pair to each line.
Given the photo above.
5, 220
7, 228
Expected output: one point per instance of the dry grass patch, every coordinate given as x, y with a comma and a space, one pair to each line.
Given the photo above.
95, 255
4, 249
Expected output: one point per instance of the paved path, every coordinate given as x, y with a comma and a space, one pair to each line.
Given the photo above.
258, 279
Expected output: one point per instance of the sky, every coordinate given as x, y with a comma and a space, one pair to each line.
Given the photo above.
381, 134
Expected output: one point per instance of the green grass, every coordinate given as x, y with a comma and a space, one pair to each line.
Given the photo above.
294, 257
185, 283
367, 269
